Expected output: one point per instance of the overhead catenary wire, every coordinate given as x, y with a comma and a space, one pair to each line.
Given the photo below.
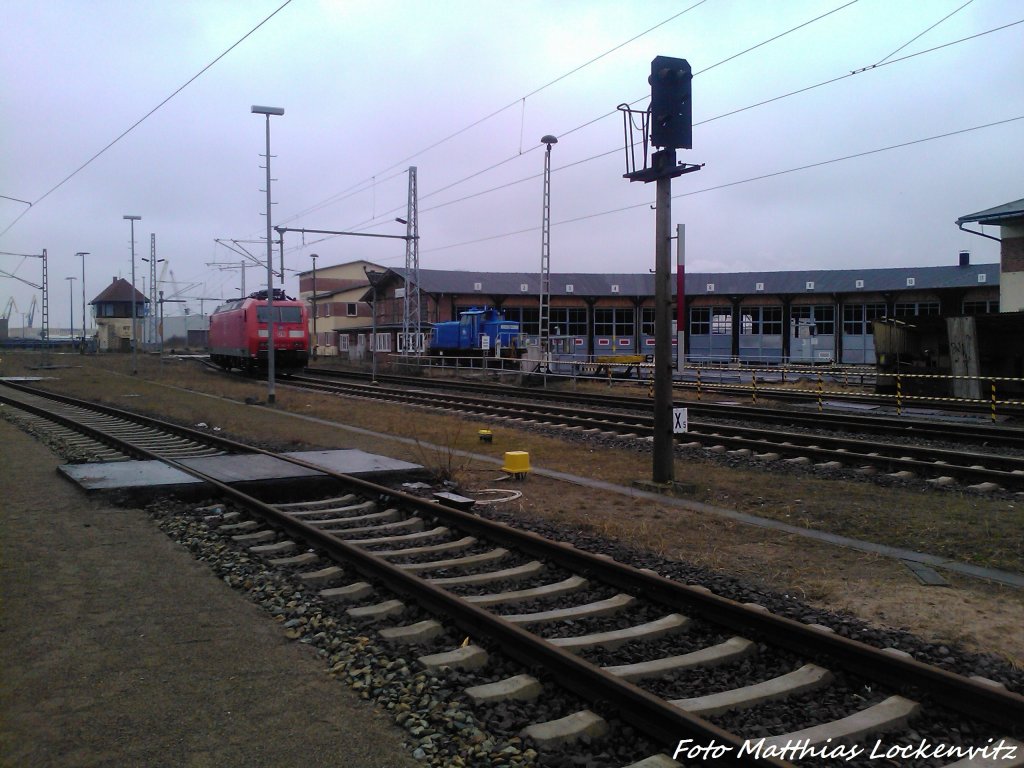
360, 186
702, 122
762, 177
142, 119
534, 176
922, 34
535, 91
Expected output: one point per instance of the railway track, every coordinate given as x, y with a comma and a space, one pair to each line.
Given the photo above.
980, 470
940, 427
626, 642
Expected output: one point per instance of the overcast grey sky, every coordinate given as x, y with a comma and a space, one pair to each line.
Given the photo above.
368, 86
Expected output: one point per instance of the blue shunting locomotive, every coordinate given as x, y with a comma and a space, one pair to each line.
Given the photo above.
476, 331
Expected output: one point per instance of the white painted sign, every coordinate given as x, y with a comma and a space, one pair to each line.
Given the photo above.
679, 420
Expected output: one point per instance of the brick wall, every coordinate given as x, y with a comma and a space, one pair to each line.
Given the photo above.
1012, 254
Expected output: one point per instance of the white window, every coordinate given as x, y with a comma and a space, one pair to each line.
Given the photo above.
910, 282
810, 285
478, 286
982, 278
858, 283
758, 286
343, 342
568, 288
383, 342
615, 289
416, 346
352, 309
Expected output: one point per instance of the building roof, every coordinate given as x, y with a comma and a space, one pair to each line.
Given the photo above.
1006, 213
845, 281
120, 291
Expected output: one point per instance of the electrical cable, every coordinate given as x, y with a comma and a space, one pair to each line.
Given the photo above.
649, 203
933, 26
534, 92
346, 193
885, 62
359, 186
701, 122
142, 119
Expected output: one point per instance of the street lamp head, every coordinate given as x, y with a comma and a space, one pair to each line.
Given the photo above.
257, 110
549, 140
82, 253
132, 218
400, 220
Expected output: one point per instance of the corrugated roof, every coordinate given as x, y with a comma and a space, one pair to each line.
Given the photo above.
846, 281
1000, 214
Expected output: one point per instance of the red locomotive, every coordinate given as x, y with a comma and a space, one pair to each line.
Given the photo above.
238, 333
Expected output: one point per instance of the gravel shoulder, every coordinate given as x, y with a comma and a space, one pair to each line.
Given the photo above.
119, 649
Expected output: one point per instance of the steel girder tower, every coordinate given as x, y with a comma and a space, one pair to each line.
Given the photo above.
152, 319
545, 258
46, 308
411, 321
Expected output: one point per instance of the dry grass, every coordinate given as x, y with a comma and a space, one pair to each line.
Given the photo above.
963, 527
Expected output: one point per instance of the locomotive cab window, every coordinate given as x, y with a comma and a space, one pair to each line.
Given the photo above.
281, 314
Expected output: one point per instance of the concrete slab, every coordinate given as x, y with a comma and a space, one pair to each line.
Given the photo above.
230, 469
355, 462
113, 475
247, 468
927, 576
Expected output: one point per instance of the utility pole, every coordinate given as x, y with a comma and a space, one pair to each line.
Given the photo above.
134, 331
83, 254
669, 119
151, 317
545, 262
411, 316
46, 310
71, 305
316, 339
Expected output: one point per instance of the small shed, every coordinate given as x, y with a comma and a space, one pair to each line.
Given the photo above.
112, 309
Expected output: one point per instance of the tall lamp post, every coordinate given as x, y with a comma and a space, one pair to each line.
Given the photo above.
83, 254
133, 219
316, 339
271, 397
71, 305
